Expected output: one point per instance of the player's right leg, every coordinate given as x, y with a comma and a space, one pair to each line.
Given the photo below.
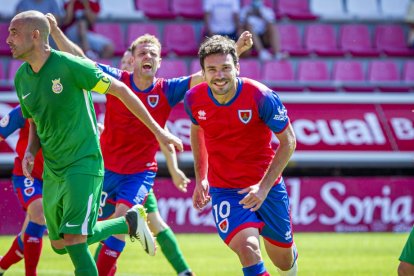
15, 253
165, 237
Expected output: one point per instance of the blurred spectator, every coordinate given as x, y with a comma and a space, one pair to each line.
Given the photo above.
43, 6
78, 24
409, 18
222, 17
258, 20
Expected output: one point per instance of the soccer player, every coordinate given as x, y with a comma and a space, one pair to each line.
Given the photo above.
28, 243
406, 266
128, 148
233, 120
53, 90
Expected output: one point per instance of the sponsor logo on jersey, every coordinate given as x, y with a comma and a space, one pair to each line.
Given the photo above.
224, 225
5, 121
282, 116
245, 115
57, 87
202, 115
29, 191
153, 100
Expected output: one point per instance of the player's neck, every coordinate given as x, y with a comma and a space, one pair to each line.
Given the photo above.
143, 82
38, 58
223, 99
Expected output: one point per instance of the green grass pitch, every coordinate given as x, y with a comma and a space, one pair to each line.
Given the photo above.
319, 254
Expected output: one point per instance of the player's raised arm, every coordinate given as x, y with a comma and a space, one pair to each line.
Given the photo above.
134, 104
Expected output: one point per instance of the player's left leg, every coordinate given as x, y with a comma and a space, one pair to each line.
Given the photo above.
15, 253
166, 238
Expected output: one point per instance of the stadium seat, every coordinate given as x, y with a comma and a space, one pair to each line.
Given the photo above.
350, 76
408, 73
192, 9
321, 40
280, 76
328, 9
14, 64
365, 9
356, 40
114, 32
111, 9
291, 40
294, 9
4, 33
384, 74
395, 9
195, 65
134, 30
172, 68
390, 40
314, 74
250, 68
156, 9
181, 39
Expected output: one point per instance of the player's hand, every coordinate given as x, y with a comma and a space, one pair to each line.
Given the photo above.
180, 180
169, 140
254, 198
201, 195
27, 165
244, 43
52, 21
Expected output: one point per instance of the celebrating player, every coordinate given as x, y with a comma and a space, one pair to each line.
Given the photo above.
53, 90
28, 243
232, 124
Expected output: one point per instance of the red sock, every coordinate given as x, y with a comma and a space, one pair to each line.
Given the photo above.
107, 260
113, 271
14, 255
32, 250
265, 274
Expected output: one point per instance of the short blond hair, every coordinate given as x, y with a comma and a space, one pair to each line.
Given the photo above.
146, 38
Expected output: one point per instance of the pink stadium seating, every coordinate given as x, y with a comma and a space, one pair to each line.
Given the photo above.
408, 73
384, 74
321, 39
4, 33
14, 64
280, 76
195, 66
172, 68
291, 40
350, 76
250, 68
294, 9
134, 30
390, 39
157, 9
188, 8
114, 32
315, 75
356, 40
181, 39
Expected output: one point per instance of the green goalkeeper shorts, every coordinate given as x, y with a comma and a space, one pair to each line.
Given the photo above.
71, 204
407, 255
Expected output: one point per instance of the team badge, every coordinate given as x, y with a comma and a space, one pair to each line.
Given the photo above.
245, 115
5, 121
224, 225
153, 100
57, 87
29, 191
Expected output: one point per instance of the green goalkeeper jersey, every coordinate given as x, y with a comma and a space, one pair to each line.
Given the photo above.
59, 101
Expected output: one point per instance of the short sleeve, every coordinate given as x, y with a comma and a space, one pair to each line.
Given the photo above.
187, 108
176, 89
11, 122
273, 112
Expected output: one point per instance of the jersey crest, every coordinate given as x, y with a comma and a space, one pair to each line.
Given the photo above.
5, 121
224, 225
57, 87
153, 100
29, 191
245, 115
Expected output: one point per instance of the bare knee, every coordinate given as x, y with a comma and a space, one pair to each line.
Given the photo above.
248, 251
35, 212
71, 239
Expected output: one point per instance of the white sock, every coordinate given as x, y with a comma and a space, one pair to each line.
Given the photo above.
291, 272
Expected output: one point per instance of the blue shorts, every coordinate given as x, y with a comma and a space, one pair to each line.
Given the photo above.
129, 189
272, 219
26, 190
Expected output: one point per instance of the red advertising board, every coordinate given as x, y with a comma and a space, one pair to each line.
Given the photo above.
331, 204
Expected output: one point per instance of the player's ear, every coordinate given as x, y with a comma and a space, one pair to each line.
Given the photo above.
159, 63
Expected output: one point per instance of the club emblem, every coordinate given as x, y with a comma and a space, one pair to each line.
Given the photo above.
57, 87
29, 191
5, 121
224, 225
245, 115
153, 100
